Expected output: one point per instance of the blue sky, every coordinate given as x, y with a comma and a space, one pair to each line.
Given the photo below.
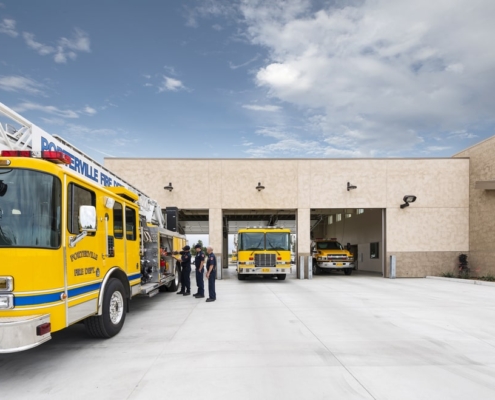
251, 78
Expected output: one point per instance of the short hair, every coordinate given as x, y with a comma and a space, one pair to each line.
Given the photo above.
209, 248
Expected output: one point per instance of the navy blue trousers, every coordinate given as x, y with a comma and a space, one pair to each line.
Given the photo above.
200, 281
186, 279
211, 285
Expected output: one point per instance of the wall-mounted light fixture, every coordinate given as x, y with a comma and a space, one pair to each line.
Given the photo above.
260, 187
350, 187
169, 187
409, 198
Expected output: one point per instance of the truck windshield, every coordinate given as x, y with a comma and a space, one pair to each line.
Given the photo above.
252, 241
29, 209
329, 246
277, 241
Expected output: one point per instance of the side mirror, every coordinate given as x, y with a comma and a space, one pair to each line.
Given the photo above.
87, 218
87, 223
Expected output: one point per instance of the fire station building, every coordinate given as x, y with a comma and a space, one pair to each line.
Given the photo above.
423, 211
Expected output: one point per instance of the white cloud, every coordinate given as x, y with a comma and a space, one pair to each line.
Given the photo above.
40, 48
255, 107
382, 75
28, 106
233, 66
15, 83
89, 110
7, 26
171, 85
81, 130
78, 42
206, 9
217, 27
67, 48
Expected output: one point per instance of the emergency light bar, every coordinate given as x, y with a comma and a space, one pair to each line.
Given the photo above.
57, 157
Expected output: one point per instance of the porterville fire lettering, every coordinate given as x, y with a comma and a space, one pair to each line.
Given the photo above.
82, 254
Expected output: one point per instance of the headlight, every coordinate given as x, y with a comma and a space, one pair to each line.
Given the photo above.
6, 301
6, 283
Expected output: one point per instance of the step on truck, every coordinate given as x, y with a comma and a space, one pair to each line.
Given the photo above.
77, 243
263, 251
328, 254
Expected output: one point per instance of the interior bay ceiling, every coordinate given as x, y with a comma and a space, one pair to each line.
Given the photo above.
196, 221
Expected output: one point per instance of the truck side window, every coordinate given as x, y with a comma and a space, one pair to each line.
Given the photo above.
118, 221
77, 197
130, 224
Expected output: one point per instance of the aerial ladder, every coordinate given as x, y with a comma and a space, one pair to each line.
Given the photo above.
31, 137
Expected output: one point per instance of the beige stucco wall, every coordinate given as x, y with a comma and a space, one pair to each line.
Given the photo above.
482, 208
437, 221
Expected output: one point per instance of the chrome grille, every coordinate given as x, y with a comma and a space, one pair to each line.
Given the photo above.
265, 260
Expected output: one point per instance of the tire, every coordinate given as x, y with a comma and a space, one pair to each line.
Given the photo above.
316, 269
112, 319
348, 271
174, 285
281, 277
241, 277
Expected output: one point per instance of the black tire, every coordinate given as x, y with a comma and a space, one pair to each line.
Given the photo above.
112, 319
241, 277
348, 271
281, 277
316, 269
174, 285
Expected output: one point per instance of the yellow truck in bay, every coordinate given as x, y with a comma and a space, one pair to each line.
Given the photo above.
328, 254
264, 251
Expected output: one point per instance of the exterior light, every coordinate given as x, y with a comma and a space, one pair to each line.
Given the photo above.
408, 199
260, 187
350, 187
169, 187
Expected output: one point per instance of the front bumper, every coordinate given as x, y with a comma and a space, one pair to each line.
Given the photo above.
335, 265
20, 333
253, 270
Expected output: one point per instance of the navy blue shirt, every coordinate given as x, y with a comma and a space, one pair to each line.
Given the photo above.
212, 260
186, 259
200, 256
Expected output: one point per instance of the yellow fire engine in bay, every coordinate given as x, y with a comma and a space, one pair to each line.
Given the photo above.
76, 242
264, 251
328, 254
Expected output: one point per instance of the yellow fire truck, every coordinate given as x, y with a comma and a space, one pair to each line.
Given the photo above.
329, 254
263, 251
76, 242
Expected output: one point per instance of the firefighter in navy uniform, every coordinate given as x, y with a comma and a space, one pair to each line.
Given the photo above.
185, 275
211, 274
199, 262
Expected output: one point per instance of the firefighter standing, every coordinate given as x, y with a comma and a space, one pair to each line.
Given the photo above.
199, 262
185, 274
211, 272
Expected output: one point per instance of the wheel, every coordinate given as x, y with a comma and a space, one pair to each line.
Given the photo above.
112, 319
174, 285
281, 277
241, 277
348, 271
316, 269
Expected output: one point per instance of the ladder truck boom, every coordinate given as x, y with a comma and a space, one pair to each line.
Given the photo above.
29, 136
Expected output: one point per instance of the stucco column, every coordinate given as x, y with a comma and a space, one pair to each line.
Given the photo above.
303, 234
216, 235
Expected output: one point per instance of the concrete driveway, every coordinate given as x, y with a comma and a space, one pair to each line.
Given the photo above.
334, 337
